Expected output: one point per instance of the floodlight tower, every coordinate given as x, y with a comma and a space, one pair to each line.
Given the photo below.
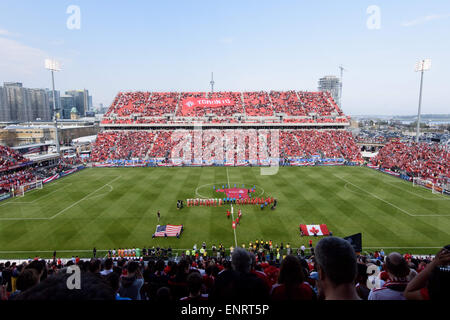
212, 82
53, 65
421, 66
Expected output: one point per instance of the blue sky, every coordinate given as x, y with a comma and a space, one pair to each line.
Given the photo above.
250, 45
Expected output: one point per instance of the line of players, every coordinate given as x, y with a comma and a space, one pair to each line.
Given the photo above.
136, 252
220, 202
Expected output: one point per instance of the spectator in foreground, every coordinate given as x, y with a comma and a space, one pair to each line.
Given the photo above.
336, 267
55, 288
113, 280
432, 283
195, 281
398, 271
361, 282
27, 279
108, 267
239, 284
291, 285
132, 283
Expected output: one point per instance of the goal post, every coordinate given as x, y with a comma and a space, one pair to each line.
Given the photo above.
422, 183
437, 190
428, 184
20, 191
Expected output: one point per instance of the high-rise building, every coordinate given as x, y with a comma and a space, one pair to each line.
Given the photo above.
57, 100
67, 103
23, 104
18, 102
91, 107
4, 107
331, 84
39, 103
81, 98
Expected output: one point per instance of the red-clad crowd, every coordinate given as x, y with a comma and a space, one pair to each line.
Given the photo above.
153, 107
325, 143
257, 104
430, 161
330, 270
255, 144
15, 179
9, 157
122, 145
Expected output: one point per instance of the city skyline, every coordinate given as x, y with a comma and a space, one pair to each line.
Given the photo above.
151, 46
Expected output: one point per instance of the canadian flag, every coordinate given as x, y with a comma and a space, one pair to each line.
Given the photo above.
314, 229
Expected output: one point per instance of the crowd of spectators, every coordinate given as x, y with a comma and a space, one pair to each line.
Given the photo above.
153, 107
430, 161
131, 144
330, 271
10, 158
12, 180
11, 177
257, 104
324, 143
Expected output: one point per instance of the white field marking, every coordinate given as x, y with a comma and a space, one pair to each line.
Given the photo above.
439, 198
346, 187
211, 184
38, 199
232, 215
420, 196
29, 192
62, 211
401, 181
103, 194
393, 205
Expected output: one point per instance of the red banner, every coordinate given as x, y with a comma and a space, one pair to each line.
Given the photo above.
190, 104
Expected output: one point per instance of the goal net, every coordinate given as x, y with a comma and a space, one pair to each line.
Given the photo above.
427, 184
27, 187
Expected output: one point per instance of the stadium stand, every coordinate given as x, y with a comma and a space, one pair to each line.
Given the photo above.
430, 161
119, 145
262, 272
9, 157
223, 107
15, 170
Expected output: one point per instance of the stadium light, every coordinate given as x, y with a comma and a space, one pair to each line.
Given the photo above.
53, 65
421, 66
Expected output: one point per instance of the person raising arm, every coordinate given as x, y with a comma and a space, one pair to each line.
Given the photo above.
434, 281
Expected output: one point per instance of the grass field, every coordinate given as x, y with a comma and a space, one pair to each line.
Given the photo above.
116, 207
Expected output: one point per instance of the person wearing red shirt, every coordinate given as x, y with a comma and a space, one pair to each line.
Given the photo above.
291, 282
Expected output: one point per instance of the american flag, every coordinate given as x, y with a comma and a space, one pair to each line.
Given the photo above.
169, 230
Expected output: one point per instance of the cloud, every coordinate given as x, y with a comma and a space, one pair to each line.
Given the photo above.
6, 33
425, 19
18, 60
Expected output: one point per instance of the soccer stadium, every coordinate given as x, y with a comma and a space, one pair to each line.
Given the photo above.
200, 196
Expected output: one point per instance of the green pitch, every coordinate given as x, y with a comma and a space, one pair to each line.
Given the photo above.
111, 208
